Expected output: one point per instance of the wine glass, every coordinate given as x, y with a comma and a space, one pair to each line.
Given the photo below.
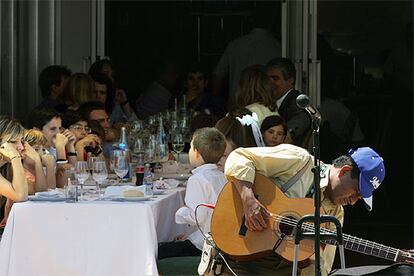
150, 149
91, 161
139, 146
178, 144
100, 173
119, 163
81, 173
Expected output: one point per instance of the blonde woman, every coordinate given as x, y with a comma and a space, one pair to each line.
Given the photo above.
254, 92
34, 158
13, 183
37, 178
79, 90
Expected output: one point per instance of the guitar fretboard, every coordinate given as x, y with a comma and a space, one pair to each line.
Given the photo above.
367, 247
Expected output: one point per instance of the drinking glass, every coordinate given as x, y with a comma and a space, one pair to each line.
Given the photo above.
120, 163
81, 173
91, 161
178, 144
139, 146
100, 173
150, 149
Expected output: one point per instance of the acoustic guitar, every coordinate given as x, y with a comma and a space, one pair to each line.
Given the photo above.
232, 237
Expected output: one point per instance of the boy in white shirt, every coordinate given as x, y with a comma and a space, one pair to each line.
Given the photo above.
204, 186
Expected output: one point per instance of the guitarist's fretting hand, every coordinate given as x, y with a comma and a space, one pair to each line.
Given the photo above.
256, 217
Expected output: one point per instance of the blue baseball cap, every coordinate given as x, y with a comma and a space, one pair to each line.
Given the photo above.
371, 171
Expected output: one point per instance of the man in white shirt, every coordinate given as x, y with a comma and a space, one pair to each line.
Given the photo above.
204, 186
257, 47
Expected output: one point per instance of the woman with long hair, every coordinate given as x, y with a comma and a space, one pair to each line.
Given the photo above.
13, 184
240, 128
79, 90
254, 92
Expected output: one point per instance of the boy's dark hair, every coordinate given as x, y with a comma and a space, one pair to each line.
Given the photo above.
347, 160
285, 65
71, 117
210, 143
86, 108
39, 117
52, 75
271, 121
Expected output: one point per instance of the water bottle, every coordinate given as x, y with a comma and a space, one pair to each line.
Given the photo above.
123, 145
148, 182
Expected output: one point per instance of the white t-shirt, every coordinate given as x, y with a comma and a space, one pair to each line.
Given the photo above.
203, 186
257, 47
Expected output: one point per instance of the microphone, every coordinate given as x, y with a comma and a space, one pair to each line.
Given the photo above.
303, 102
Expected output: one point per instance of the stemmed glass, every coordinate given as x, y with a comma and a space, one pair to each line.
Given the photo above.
100, 173
91, 161
139, 146
119, 163
150, 149
178, 144
81, 173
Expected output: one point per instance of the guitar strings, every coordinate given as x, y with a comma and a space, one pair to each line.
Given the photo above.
310, 227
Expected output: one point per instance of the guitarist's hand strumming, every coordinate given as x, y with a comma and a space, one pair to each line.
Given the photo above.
256, 217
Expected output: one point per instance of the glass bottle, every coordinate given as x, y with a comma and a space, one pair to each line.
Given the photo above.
123, 145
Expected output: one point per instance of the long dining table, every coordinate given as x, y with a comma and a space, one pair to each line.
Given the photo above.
89, 237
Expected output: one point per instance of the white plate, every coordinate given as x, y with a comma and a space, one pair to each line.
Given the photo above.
159, 192
43, 198
140, 198
178, 176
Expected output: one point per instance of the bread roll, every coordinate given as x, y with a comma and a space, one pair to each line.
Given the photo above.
132, 193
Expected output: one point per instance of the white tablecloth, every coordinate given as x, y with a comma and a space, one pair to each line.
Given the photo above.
88, 238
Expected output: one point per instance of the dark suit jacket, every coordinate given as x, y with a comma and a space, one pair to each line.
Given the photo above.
297, 120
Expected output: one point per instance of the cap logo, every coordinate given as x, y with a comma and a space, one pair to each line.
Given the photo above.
375, 182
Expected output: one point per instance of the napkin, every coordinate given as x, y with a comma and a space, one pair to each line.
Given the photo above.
50, 194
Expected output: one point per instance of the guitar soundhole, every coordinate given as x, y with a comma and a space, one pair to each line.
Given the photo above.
286, 225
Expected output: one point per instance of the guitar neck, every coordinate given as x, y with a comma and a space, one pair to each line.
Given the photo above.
370, 248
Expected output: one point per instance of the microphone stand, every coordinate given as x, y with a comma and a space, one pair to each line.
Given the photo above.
303, 103
316, 184
316, 218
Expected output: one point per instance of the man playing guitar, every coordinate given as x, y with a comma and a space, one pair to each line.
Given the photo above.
349, 178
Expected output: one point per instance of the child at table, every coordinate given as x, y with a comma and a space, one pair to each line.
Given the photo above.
204, 186
39, 171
